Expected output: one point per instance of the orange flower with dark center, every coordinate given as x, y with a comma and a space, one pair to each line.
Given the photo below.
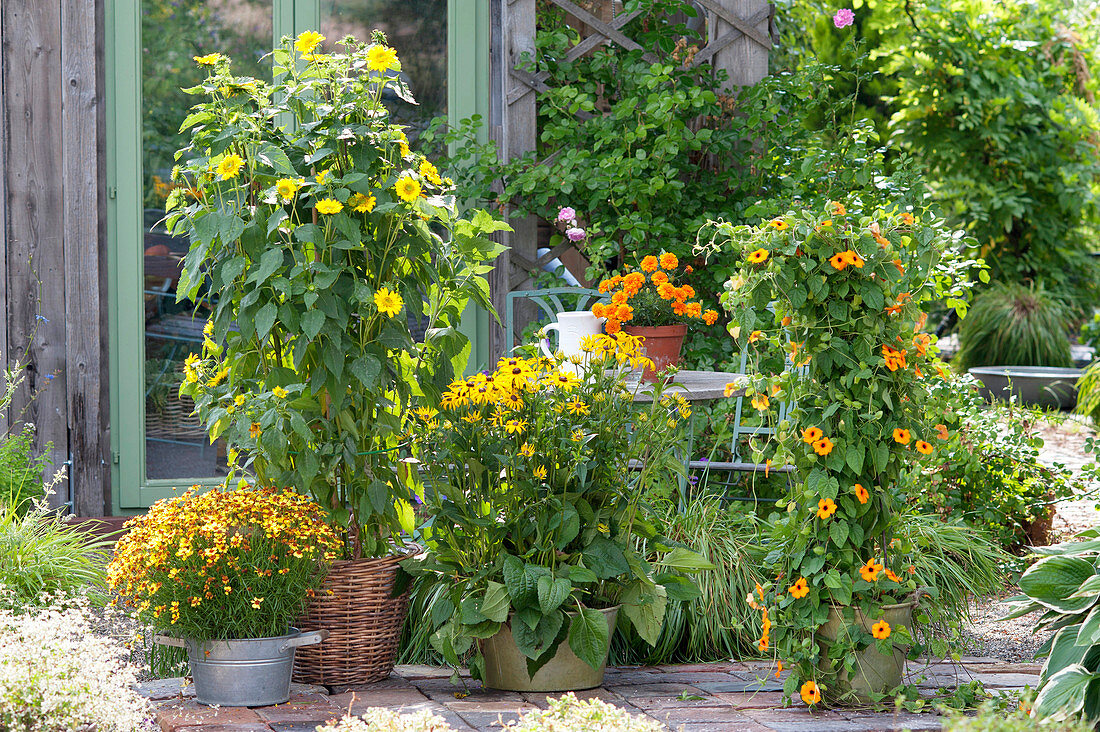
826, 507
799, 589
907, 218
924, 448
809, 692
861, 493
941, 431
779, 224
921, 341
881, 630
839, 261
901, 436
870, 570
892, 577
254, 430
838, 209
854, 259
823, 446
760, 402
755, 336
758, 256
812, 434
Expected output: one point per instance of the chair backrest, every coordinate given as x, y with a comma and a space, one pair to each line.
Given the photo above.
740, 429
550, 301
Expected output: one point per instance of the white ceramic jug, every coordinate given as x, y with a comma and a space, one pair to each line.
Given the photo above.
572, 328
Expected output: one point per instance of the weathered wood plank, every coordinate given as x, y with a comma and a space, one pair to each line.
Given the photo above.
33, 223
745, 59
85, 290
3, 208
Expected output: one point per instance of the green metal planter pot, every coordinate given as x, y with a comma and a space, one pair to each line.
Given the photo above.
875, 672
250, 672
506, 666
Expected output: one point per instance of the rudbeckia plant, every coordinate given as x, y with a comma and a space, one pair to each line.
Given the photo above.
336, 268
839, 292
534, 484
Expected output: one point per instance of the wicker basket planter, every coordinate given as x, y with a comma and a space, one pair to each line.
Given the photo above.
362, 619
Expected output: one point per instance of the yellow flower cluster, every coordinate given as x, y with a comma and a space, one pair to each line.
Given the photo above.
194, 549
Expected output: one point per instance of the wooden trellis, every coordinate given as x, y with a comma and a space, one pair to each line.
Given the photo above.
737, 40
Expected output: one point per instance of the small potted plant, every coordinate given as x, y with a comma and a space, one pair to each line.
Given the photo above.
649, 304
337, 271
225, 574
839, 292
535, 511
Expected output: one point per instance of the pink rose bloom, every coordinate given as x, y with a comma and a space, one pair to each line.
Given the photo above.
567, 214
844, 18
574, 234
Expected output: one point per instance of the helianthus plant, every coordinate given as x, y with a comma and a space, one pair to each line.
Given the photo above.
323, 243
649, 296
223, 563
534, 505
840, 293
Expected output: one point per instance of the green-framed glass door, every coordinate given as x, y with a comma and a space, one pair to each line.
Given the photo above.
157, 447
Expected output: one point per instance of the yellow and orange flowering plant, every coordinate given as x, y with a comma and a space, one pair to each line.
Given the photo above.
650, 296
221, 564
838, 292
535, 507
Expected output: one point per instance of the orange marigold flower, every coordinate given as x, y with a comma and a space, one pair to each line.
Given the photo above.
881, 630
758, 256
901, 436
861, 493
666, 291
695, 310
679, 307
634, 280
924, 448
619, 298
624, 313
599, 310
605, 286
612, 327
826, 507
669, 261
812, 434
688, 269
941, 431
809, 692
710, 317
799, 589
823, 446
658, 278
649, 263
839, 261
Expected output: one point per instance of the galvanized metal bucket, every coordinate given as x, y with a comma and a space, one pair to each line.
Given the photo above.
249, 672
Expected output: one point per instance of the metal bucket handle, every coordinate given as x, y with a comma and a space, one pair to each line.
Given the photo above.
167, 640
309, 638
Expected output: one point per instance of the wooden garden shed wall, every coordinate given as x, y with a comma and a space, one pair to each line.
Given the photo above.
53, 229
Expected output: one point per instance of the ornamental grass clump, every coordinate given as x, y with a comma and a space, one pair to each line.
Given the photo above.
225, 563
534, 507
840, 292
336, 268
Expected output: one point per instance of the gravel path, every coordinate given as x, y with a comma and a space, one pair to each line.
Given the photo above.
1013, 640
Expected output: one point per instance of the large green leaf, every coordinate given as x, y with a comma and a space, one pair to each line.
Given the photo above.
588, 637
1052, 580
605, 558
534, 642
1089, 634
644, 605
685, 560
1063, 695
495, 605
552, 592
1064, 651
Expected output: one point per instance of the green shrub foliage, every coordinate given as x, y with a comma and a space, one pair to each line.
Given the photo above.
1014, 325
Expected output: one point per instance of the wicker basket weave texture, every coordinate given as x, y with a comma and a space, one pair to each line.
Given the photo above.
363, 621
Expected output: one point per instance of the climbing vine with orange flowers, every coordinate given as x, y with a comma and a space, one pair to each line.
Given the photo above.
841, 291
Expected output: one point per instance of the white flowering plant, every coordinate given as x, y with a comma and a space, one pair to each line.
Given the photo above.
324, 246
56, 673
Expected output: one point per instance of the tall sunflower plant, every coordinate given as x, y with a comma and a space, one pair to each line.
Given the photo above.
535, 480
840, 293
325, 246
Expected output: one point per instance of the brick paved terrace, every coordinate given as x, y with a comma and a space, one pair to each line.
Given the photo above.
718, 697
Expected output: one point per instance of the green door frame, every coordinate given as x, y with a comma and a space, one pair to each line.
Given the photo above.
468, 94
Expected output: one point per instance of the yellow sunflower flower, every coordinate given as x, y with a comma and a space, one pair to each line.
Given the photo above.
329, 206
209, 59
381, 58
407, 189
388, 302
307, 41
229, 166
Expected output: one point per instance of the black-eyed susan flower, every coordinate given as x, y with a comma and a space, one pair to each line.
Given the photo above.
901, 436
823, 447
810, 693
799, 589
862, 493
881, 630
924, 448
826, 507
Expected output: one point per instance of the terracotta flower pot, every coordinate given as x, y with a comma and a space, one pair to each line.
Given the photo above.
662, 345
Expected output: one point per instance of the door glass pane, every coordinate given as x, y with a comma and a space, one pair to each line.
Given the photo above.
417, 29
173, 32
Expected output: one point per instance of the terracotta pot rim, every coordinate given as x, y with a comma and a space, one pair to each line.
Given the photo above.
675, 327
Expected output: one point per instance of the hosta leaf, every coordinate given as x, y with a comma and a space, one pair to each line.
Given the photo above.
1052, 580
1063, 695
